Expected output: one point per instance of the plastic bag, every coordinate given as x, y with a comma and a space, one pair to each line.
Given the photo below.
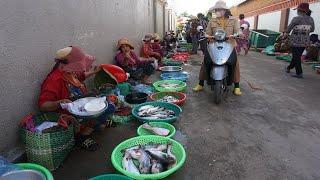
143, 88
6, 166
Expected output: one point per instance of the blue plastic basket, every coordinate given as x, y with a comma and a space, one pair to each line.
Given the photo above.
181, 76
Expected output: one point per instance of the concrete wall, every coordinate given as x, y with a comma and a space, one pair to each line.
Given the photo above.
167, 20
270, 21
32, 31
315, 14
160, 14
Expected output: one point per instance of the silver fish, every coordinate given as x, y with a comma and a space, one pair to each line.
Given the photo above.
145, 107
156, 167
132, 148
157, 147
157, 112
160, 156
145, 162
156, 130
169, 152
134, 153
168, 99
128, 165
167, 85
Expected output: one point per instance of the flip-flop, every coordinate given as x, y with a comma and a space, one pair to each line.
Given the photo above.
88, 143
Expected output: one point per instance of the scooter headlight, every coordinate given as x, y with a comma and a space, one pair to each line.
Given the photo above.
220, 35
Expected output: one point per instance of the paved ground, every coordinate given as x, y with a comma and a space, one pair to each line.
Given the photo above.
268, 134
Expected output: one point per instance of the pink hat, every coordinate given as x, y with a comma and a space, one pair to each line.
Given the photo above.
77, 60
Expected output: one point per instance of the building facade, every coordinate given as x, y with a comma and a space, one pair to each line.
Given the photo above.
31, 33
274, 14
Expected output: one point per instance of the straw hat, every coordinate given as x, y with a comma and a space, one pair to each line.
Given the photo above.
193, 17
219, 5
124, 41
156, 36
147, 37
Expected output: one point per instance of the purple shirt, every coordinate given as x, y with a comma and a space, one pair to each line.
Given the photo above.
246, 31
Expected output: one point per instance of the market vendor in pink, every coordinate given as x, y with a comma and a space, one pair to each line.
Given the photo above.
64, 84
138, 68
243, 42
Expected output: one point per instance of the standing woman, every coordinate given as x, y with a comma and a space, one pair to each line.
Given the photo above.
243, 43
300, 28
231, 26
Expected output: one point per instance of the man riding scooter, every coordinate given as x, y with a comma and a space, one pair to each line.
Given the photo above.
231, 26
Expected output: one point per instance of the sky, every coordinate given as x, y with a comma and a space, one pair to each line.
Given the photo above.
195, 6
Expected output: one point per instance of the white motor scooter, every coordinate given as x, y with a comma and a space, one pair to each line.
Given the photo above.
219, 51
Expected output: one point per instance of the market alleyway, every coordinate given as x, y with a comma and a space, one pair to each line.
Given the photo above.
268, 134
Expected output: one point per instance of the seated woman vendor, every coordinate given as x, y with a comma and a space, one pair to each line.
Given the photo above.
156, 44
138, 68
146, 49
65, 84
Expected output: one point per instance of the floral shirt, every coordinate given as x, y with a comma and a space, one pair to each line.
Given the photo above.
300, 28
146, 50
55, 87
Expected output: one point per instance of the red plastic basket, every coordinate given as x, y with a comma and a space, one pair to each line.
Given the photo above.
181, 96
181, 56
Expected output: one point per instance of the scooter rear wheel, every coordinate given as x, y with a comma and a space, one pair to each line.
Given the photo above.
218, 92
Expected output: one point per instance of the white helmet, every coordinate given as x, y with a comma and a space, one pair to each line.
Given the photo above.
199, 28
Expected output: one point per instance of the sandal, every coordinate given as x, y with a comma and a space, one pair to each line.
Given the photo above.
88, 143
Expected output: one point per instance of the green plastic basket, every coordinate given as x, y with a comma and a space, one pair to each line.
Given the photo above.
177, 110
121, 119
182, 86
177, 149
111, 177
38, 168
48, 149
143, 132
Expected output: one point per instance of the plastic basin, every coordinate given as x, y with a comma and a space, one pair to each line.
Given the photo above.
180, 96
144, 132
181, 76
169, 106
177, 149
38, 168
111, 177
181, 86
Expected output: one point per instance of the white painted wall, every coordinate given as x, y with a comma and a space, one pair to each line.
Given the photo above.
315, 8
270, 21
251, 21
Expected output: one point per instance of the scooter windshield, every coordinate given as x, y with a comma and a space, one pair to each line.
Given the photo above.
220, 52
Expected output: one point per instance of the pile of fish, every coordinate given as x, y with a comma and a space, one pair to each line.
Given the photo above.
149, 159
155, 112
168, 99
156, 130
169, 85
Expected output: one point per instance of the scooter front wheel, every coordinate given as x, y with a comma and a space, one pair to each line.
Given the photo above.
218, 92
